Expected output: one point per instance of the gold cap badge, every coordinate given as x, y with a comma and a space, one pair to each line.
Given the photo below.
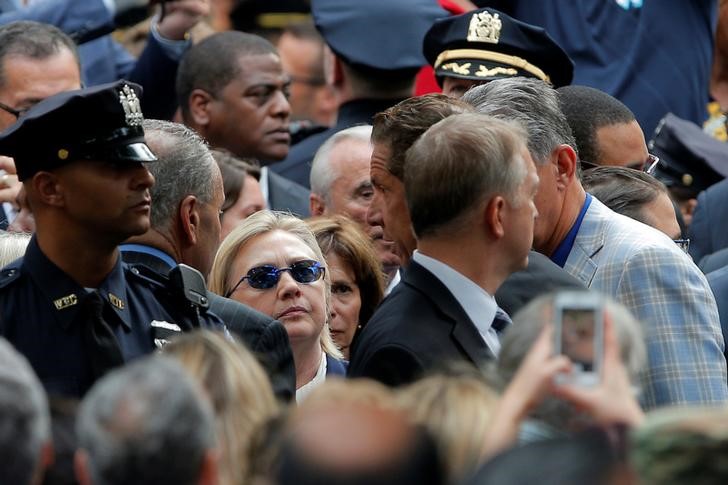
131, 105
62, 154
485, 27
687, 180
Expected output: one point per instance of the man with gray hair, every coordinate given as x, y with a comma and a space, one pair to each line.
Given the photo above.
622, 258
186, 202
25, 429
146, 423
471, 205
340, 184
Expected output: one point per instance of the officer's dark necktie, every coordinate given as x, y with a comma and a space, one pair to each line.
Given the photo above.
101, 346
501, 321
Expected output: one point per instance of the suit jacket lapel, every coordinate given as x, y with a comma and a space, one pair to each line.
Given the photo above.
463, 330
589, 241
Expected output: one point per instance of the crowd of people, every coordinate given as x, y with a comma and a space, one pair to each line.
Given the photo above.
448, 242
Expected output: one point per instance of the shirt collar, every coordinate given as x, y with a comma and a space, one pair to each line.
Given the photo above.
561, 254
65, 296
157, 253
477, 303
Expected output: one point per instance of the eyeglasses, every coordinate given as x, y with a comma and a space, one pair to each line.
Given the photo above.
683, 244
652, 162
13, 111
267, 276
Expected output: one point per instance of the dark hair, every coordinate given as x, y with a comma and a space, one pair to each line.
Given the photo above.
343, 237
587, 458
234, 170
33, 40
588, 109
624, 190
401, 125
215, 62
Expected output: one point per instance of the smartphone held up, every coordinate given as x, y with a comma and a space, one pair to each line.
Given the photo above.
579, 335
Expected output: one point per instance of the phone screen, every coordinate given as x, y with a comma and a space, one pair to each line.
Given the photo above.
577, 337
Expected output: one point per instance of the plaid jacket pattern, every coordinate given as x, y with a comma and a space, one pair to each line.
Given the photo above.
644, 270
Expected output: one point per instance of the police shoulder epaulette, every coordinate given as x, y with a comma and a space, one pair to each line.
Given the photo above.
9, 274
144, 273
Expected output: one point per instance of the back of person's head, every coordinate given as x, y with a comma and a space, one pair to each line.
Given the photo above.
146, 423
588, 109
355, 441
624, 190
322, 173
531, 102
24, 420
681, 445
458, 163
215, 62
527, 325
33, 40
456, 408
401, 125
241, 395
585, 459
184, 167
12, 246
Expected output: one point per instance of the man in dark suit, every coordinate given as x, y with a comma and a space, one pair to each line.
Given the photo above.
470, 194
186, 229
395, 130
232, 90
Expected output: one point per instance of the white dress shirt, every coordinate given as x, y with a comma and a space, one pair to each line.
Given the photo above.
477, 303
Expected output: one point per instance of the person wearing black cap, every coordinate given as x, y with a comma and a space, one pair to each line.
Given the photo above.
689, 162
374, 51
479, 46
70, 305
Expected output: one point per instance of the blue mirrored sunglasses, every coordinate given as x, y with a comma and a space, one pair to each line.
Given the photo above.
267, 276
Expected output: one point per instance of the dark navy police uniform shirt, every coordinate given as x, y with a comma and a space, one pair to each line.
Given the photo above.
41, 308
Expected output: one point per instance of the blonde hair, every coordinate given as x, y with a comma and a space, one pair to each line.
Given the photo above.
457, 411
260, 223
239, 391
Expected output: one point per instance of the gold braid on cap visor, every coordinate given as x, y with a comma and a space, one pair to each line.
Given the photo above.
492, 56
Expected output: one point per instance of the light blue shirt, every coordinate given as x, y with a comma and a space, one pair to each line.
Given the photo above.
477, 303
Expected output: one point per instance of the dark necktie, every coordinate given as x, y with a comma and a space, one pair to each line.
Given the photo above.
501, 321
101, 346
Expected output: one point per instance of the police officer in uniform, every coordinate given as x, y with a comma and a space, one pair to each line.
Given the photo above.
485, 44
70, 305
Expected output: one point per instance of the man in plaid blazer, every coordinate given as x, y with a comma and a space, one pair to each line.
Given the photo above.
610, 253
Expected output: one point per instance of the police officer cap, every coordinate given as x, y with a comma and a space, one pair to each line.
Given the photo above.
102, 123
486, 44
690, 159
376, 34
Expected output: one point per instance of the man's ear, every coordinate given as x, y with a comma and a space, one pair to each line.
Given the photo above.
48, 189
566, 162
494, 217
189, 220
199, 107
316, 204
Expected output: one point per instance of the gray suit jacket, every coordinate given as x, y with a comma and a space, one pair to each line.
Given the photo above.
645, 270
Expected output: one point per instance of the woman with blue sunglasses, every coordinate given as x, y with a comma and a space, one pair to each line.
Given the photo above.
272, 263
